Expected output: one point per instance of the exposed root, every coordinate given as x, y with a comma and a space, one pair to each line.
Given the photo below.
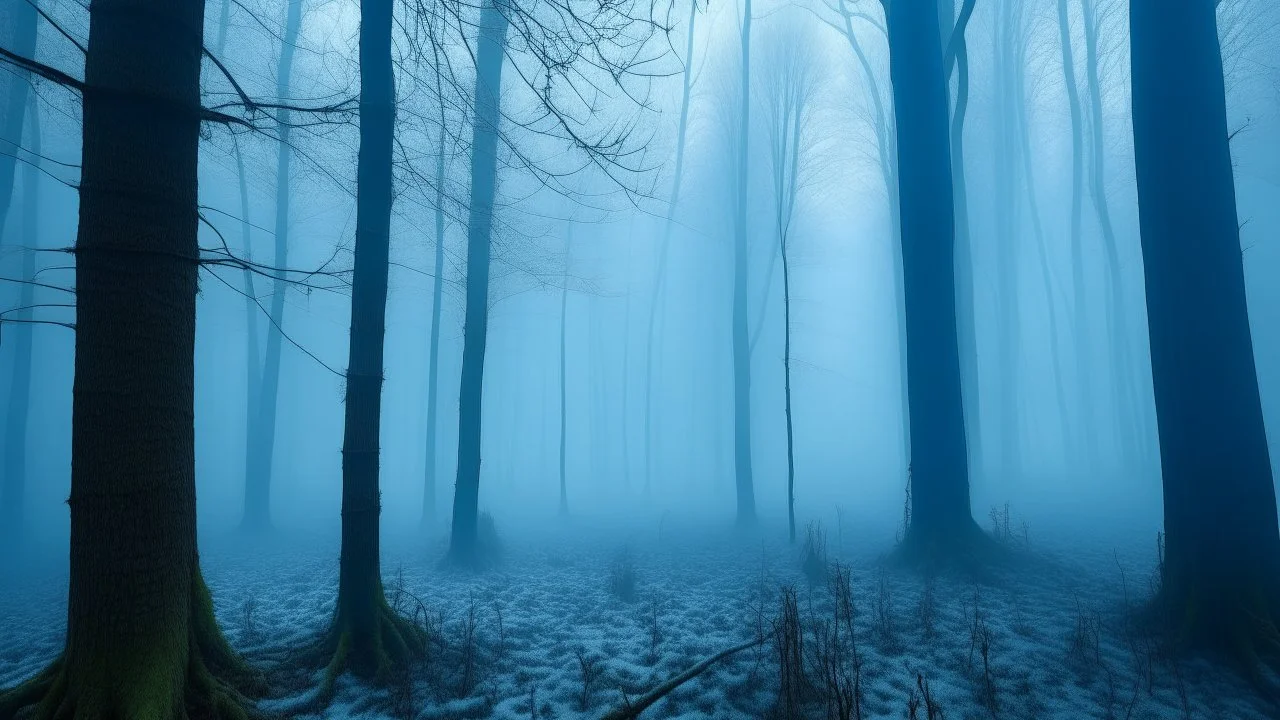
201, 678
631, 708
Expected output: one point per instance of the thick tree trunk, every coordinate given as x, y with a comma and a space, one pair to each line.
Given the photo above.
941, 521
741, 349
484, 169
14, 483
433, 367
367, 637
18, 34
262, 437
141, 638
1222, 560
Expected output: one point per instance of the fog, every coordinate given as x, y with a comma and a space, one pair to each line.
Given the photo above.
611, 308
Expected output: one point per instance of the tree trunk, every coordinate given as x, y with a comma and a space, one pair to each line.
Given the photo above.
20, 37
433, 370
786, 370
1222, 555
966, 308
257, 477
741, 349
484, 169
941, 521
141, 638
13, 486
659, 278
1080, 316
1008, 325
367, 637
1132, 438
564, 425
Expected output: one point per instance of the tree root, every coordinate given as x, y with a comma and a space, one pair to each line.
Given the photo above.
376, 656
201, 678
967, 548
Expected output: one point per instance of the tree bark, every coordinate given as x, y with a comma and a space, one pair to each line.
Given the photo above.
367, 637
258, 458
141, 638
741, 350
941, 521
1222, 557
463, 547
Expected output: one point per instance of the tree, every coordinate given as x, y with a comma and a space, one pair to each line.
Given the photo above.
261, 439
941, 524
20, 36
564, 424
789, 82
463, 546
13, 487
437, 288
142, 641
1222, 554
367, 636
660, 276
741, 347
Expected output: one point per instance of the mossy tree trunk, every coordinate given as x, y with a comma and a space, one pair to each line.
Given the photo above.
941, 524
1222, 561
141, 637
367, 637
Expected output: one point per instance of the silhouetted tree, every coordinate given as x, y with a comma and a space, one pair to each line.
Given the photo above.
941, 523
262, 432
741, 347
1222, 562
141, 641
367, 636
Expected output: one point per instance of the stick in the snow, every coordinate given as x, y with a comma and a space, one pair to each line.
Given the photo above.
632, 710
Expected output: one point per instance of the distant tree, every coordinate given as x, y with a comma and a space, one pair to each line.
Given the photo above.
141, 640
437, 295
367, 637
788, 83
1221, 566
18, 33
564, 411
660, 275
261, 422
484, 170
741, 338
14, 448
942, 526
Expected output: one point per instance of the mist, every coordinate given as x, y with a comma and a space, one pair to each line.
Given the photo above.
509, 360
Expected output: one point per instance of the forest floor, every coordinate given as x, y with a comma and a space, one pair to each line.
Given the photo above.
573, 619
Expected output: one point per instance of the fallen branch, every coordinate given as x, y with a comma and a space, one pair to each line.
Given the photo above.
632, 710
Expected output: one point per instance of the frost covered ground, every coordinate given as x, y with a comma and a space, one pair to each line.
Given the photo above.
517, 641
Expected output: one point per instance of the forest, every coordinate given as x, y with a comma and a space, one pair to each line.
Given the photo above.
622, 359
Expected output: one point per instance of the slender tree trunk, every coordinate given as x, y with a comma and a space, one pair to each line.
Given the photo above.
888, 159
941, 521
1132, 439
626, 385
433, 368
257, 491
659, 278
13, 484
786, 370
966, 308
1080, 317
20, 38
367, 636
741, 349
484, 168
564, 425
1008, 330
141, 638
1021, 122
1222, 560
